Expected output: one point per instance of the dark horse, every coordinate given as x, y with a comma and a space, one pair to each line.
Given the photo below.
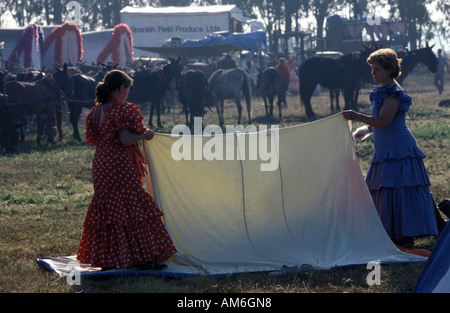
193, 94
151, 86
228, 84
345, 73
43, 98
83, 96
412, 58
409, 60
269, 86
224, 62
9, 129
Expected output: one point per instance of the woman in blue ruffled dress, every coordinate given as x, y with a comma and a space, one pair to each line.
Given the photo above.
397, 178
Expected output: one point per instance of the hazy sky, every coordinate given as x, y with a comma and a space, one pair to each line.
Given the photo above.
7, 21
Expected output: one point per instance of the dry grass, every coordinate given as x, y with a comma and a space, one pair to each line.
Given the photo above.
45, 193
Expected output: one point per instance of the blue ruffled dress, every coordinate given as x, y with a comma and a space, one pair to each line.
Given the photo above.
397, 178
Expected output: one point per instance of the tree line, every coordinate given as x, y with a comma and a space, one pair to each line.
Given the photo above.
284, 15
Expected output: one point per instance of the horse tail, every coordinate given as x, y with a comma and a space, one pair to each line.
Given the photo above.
300, 92
247, 92
246, 88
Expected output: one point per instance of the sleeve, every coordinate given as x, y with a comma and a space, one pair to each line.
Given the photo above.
91, 131
127, 116
402, 97
392, 91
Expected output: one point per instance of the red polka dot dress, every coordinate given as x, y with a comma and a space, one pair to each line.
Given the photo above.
123, 225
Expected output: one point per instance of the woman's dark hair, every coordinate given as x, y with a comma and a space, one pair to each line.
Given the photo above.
388, 60
112, 81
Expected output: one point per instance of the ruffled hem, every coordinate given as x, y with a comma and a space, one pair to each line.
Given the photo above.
392, 154
126, 245
406, 212
396, 169
123, 228
121, 206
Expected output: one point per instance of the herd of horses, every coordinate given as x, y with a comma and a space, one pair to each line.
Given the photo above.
200, 86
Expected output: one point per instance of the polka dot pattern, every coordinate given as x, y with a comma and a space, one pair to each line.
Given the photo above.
123, 225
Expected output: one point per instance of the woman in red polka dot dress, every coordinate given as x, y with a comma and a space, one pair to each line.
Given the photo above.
123, 226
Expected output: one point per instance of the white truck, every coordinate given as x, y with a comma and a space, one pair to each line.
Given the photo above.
157, 26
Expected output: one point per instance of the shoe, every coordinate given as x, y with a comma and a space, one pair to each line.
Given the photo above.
405, 242
444, 206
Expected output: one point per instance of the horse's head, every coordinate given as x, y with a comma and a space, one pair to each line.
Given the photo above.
429, 59
64, 80
174, 69
227, 61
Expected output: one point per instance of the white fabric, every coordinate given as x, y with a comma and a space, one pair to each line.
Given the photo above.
69, 51
229, 216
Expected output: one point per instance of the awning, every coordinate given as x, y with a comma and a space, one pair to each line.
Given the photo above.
215, 44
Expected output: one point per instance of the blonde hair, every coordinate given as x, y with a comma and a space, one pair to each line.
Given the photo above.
388, 60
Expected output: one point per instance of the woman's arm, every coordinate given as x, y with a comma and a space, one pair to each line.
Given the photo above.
129, 138
387, 113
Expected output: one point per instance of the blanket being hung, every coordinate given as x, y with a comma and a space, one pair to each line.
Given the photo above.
232, 214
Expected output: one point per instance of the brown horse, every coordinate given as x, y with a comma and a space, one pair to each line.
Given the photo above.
43, 98
269, 87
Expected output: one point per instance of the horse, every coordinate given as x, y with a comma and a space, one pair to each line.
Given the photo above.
228, 84
269, 86
346, 73
9, 129
409, 60
226, 61
150, 86
193, 94
42, 97
83, 96
412, 58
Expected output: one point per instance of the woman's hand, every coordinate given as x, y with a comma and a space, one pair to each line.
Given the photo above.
350, 115
149, 134
362, 133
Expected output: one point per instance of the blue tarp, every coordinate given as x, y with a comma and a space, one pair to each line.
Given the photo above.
435, 276
249, 41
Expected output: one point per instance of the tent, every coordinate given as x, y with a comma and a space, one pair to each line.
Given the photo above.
64, 44
119, 49
23, 46
262, 200
435, 276
110, 45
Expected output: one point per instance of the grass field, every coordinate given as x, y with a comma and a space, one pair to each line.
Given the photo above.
45, 192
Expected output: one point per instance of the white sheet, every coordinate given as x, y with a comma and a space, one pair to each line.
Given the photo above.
229, 216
